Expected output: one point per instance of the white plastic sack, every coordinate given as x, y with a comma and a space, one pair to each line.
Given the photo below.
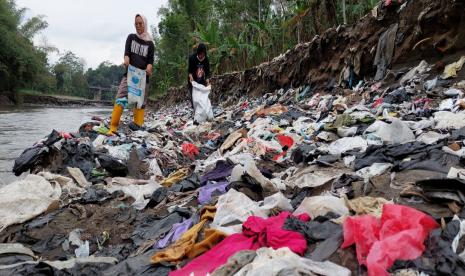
202, 105
285, 262
374, 170
135, 189
313, 176
449, 120
26, 199
345, 144
397, 132
321, 205
136, 86
233, 208
431, 137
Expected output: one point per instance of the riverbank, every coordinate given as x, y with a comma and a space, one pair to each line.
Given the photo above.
35, 99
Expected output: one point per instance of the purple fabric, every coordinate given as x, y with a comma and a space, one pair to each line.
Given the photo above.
205, 193
222, 170
174, 234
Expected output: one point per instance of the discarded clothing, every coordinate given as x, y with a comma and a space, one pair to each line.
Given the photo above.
186, 244
175, 232
222, 170
112, 165
257, 232
315, 231
343, 185
206, 192
346, 144
175, 177
398, 234
313, 176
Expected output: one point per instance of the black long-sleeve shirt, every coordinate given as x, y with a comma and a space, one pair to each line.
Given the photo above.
200, 70
139, 51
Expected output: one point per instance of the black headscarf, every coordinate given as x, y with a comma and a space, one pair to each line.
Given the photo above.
202, 49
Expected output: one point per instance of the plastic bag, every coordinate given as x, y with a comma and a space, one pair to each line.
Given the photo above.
398, 235
202, 105
136, 86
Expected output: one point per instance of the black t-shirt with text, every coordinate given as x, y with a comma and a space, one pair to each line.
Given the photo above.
200, 70
139, 51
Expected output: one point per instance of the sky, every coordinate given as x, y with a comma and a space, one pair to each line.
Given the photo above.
94, 30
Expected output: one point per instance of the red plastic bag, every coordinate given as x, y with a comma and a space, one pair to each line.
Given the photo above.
398, 235
190, 150
286, 142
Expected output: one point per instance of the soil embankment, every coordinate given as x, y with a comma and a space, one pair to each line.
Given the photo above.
429, 29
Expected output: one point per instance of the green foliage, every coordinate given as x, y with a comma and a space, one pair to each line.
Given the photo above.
240, 34
20, 62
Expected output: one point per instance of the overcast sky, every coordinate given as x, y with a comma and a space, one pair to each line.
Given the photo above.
93, 29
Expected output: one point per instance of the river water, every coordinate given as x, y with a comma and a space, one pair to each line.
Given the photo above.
20, 128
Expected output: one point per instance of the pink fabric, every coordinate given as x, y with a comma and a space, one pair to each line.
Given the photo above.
398, 235
257, 232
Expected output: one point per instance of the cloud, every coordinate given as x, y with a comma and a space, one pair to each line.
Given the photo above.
93, 29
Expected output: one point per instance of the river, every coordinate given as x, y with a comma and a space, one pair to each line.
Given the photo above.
21, 127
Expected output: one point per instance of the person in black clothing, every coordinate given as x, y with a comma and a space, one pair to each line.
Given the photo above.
138, 52
199, 69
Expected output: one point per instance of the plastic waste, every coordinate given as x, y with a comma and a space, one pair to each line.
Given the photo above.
320, 205
202, 105
348, 143
136, 86
398, 235
397, 132
451, 70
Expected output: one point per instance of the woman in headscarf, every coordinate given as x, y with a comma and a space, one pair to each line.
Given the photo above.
139, 52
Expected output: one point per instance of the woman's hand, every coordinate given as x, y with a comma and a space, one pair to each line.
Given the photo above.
149, 70
126, 61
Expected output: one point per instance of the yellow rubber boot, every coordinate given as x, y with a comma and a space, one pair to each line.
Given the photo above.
139, 116
115, 116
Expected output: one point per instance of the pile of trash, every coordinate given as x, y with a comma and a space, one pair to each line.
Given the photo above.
299, 181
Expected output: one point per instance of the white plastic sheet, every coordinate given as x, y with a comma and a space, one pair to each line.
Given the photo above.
26, 199
233, 208
136, 86
202, 105
285, 262
345, 144
135, 189
397, 132
321, 205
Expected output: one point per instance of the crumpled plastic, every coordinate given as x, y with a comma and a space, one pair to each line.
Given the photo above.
345, 144
321, 205
397, 132
398, 235
449, 120
24, 199
284, 262
451, 70
234, 207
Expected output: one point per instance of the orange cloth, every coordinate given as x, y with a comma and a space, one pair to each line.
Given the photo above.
186, 245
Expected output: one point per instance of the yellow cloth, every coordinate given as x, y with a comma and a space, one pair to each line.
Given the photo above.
175, 177
186, 245
451, 70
